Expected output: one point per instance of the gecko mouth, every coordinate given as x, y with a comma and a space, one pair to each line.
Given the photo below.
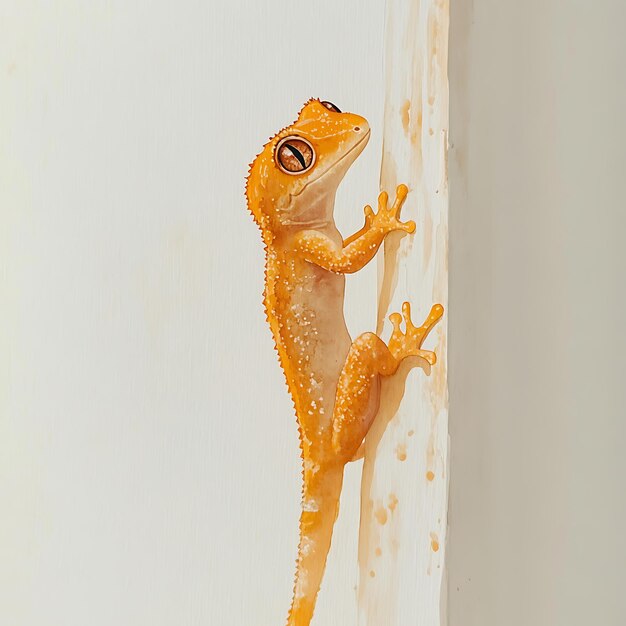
332, 165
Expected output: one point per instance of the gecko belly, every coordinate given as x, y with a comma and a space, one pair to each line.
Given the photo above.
311, 337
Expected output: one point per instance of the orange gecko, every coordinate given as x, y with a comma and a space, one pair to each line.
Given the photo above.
334, 382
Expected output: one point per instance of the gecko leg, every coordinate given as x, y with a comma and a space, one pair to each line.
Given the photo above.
369, 358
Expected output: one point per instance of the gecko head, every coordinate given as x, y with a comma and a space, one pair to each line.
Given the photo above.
302, 166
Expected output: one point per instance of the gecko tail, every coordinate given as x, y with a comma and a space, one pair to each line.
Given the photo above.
320, 507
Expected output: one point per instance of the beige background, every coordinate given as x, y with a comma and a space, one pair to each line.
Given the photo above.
537, 312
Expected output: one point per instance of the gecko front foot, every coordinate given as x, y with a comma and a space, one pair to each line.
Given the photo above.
388, 218
409, 343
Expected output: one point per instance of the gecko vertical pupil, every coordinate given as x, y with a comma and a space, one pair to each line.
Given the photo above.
331, 107
294, 155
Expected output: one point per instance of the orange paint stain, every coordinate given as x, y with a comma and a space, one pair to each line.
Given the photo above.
416, 132
430, 450
434, 542
405, 115
378, 552
381, 516
393, 502
401, 452
430, 476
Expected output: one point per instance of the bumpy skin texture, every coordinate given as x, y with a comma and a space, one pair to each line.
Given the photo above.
334, 382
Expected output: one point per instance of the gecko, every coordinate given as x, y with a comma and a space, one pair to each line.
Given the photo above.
334, 382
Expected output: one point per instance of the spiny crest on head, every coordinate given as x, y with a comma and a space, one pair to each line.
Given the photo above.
255, 181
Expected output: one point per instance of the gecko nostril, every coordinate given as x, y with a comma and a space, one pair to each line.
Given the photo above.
357, 128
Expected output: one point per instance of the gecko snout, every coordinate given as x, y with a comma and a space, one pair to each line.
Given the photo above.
361, 129
359, 124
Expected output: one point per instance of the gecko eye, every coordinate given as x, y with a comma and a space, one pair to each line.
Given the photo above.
331, 107
294, 155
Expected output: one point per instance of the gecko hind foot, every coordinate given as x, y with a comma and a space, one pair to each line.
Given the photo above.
409, 343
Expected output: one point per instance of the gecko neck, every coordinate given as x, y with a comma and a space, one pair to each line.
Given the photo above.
313, 210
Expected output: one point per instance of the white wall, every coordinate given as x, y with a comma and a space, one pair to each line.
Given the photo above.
537, 310
149, 468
